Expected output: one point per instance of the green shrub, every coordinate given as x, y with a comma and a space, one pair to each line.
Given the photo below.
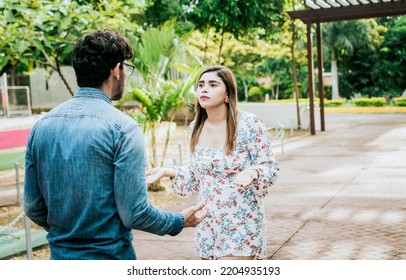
400, 101
328, 91
255, 94
369, 102
266, 90
334, 103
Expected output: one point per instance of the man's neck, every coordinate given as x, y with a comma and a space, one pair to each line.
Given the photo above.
106, 87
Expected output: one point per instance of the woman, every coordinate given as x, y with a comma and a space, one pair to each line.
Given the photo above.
231, 168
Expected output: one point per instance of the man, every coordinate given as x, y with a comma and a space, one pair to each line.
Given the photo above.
85, 164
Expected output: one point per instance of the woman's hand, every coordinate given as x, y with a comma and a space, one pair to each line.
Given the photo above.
157, 173
246, 177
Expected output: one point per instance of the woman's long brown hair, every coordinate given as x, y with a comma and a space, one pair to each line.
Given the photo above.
227, 76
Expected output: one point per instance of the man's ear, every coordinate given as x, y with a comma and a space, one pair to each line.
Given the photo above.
116, 72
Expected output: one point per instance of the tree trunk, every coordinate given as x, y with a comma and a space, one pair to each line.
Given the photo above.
154, 187
13, 95
154, 160
221, 47
334, 80
294, 70
277, 91
64, 81
167, 138
245, 89
206, 47
271, 77
56, 68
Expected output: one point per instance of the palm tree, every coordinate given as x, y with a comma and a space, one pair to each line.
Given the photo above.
341, 38
159, 96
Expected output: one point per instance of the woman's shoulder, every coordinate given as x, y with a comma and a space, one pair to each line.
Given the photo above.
250, 118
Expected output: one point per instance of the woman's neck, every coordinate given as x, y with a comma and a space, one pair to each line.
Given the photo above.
216, 116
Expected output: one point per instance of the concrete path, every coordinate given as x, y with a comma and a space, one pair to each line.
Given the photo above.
341, 194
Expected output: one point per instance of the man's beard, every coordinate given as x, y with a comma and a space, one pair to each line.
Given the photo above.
117, 96
118, 93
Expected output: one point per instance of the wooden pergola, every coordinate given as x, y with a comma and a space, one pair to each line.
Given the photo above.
318, 11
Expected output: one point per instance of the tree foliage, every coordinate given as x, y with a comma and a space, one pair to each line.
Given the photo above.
390, 67
235, 33
341, 38
43, 33
376, 66
239, 18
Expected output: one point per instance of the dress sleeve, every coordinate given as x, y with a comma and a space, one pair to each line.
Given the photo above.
262, 157
185, 182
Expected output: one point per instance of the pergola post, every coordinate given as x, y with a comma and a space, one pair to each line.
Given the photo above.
330, 11
310, 76
320, 67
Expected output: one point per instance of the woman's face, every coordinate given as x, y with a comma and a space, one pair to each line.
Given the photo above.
211, 91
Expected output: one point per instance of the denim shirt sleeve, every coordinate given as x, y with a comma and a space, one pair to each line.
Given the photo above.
130, 189
34, 203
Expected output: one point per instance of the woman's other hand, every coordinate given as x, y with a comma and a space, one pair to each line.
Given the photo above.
246, 177
157, 173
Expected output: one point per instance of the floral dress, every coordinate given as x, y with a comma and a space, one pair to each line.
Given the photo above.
235, 223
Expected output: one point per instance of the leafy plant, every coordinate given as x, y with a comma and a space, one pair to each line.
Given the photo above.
160, 96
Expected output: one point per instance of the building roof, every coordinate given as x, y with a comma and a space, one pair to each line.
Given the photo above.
338, 10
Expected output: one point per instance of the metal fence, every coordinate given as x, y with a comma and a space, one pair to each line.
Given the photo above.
48, 93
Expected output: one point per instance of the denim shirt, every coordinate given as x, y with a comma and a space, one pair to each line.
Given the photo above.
85, 180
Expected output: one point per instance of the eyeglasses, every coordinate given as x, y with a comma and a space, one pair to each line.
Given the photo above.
129, 68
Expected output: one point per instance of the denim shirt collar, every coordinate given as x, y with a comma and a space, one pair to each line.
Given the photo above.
89, 92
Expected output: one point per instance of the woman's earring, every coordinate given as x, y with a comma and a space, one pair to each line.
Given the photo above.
226, 99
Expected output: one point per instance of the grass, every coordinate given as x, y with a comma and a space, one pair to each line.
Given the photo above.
9, 157
365, 110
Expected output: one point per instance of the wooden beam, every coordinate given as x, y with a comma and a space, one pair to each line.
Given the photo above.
320, 67
310, 77
372, 10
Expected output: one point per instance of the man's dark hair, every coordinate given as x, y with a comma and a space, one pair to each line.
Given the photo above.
95, 54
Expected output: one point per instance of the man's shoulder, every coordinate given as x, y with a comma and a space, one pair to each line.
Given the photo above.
121, 119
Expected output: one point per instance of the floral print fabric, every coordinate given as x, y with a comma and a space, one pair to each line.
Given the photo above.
235, 224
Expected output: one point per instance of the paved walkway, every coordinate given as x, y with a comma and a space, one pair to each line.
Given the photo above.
340, 195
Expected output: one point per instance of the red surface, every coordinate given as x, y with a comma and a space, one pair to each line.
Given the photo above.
14, 138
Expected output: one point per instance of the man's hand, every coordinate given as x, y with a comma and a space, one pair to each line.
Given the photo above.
195, 214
